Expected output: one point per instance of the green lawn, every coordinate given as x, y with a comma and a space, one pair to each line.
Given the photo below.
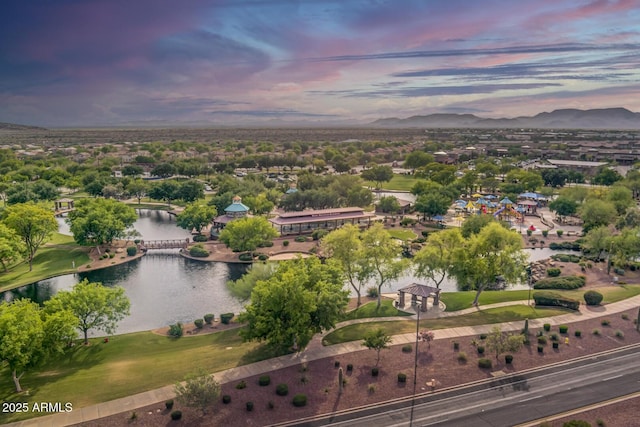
126, 365
402, 234
397, 183
60, 239
489, 316
368, 310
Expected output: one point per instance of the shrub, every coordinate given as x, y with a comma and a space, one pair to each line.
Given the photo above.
553, 299
349, 367
462, 357
319, 234
282, 389
407, 348
176, 415
578, 333
576, 423
554, 337
271, 405
285, 243
596, 332
508, 358
529, 232
480, 349
200, 238
299, 400
545, 233
559, 233
484, 363
372, 388
136, 241
619, 334
199, 323
424, 233
112, 255
566, 258
208, 318
264, 380
374, 371
300, 239
245, 256
176, 330
372, 292
168, 404
263, 257
249, 406
266, 244
564, 282
402, 378
542, 340
198, 251
540, 349
563, 329
226, 399
407, 221
456, 345
483, 336
570, 246
555, 344
242, 384
593, 297
133, 416
605, 322
226, 318
553, 272
547, 327
336, 364
624, 316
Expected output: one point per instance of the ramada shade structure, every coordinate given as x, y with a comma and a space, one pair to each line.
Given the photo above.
416, 291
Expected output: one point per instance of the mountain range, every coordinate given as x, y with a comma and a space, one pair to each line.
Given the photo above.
606, 118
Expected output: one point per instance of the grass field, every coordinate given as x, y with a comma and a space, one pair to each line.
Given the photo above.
397, 183
368, 310
402, 234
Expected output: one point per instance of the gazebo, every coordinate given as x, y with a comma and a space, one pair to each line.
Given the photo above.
416, 290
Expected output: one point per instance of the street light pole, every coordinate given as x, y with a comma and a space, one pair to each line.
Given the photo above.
529, 283
415, 364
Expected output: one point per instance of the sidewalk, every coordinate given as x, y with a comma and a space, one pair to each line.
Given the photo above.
316, 351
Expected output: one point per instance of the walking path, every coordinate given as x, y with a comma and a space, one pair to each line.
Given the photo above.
316, 351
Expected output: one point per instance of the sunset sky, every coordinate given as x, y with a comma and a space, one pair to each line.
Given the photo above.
68, 63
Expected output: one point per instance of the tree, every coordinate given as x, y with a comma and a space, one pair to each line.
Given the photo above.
302, 297
33, 223
166, 190
163, 170
474, 224
500, 343
100, 221
606, 176
190, 191
245, 234
484, 258
95, 306
259, 204
621, 197
138, 189
28, 336
378, 174
435, 258
381, 256
132, 170
199, 390
563, 206
377, 340
196, 216
345, 246
11, 246
432, 204
596, 212
417, 159
389, 204
242, 287
425, 186
597, 240
625, 246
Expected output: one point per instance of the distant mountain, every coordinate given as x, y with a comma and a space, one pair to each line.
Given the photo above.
13, 126
607, 118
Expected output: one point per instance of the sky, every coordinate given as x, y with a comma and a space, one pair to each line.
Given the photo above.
89, 63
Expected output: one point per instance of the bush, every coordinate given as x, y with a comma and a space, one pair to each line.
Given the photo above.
372, 292
456, 345
226, 318
263, 257
266, 244
112, 255
605, 322
563, 329
553, 299
407, 221
407, 348
577, 333
282, 389
208, 318
480, 349
508, 358
299, 400
484, 363
300, 239
545, 233
555, 344
576, 423
424, 233
242, 384
542, 340
176, 330
566, 258
462, 357
285, 243
349, 367
554, 337
264, 380
402, 378
319, 234
619, 334
271, 405
199, 323
336, 364
198, 251
564, 282
559, 233
226, 399
593, 297
249, 406
567, 246
374, 372
200, 238
176, 415
540, 349
624, 316
553, 272
245, 256
596, 332
168, 404
483, 336
547, 327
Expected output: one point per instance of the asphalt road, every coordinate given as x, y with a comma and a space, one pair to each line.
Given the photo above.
510, 400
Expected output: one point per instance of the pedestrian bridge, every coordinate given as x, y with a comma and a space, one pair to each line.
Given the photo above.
164, 244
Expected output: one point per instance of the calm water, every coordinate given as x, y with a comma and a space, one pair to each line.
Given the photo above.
165, 288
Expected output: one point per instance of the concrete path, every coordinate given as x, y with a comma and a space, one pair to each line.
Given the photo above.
316, 351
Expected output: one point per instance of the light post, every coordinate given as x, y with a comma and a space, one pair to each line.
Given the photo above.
529, 283
418, 308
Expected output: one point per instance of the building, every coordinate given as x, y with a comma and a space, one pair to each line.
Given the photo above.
235, 210
307, 221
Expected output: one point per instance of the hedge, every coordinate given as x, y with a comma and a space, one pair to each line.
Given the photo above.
132, 250
571, 246
563, 282
554, 299
198, 251
226, 318
592, 298
566, 258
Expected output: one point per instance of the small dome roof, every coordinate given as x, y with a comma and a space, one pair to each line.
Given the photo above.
237, 206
